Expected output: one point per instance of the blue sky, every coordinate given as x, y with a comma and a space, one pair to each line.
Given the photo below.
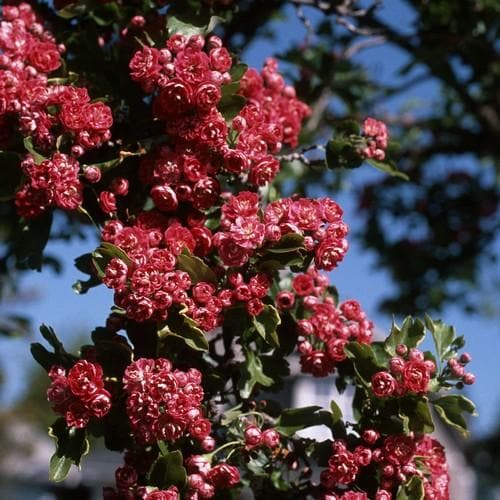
357, 277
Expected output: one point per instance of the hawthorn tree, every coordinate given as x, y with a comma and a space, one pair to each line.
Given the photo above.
140, 119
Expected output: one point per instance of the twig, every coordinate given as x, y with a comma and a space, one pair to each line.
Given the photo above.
305, 21
300, 155
363, 44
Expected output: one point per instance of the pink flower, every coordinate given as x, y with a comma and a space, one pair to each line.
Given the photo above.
416, 376
383, 384
253, 436
224, 476
271, 438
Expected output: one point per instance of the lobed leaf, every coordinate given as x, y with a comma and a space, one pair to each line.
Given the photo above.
71, 446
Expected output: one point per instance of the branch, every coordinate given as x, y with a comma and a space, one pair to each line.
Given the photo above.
363, 44
305, 21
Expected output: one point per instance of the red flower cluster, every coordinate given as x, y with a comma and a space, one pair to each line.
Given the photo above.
162, 403
273, 112
204, 480
149, 285
250, 293
396, 461
187, 78
456, 367
436, 484
79, 395
244, 230
409, 372
53, 182
325, 328
377, 138
44, 112
319, 221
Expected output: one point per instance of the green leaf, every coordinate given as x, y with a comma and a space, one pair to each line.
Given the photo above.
237, 71
186, 20
443, 335
288, 251
28, 145
231, 415
252, 374
411, 333
413, 489
71, 445
348, 127
195, 267
341, 153
388, 168
168, 470
451, 409
336, 412
292, 420
288, 243
418, 413
182, 327
10, 174
85, 265
266, 323
72, 10
104, 253
106, 14
231, 105
365, 363
106, 165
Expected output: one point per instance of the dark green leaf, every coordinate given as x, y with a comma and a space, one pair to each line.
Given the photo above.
388, 168
10, 174
168, 471
43, 357
237, 71
413, 489
71, 445
32, 239
106, 14
451, 409
266, 323
104, 253
182, 327
288, 243
418, 413
50, 336
292, 420
348, 127
196, 268
363, 359
252, 374
231, 105
341, 153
